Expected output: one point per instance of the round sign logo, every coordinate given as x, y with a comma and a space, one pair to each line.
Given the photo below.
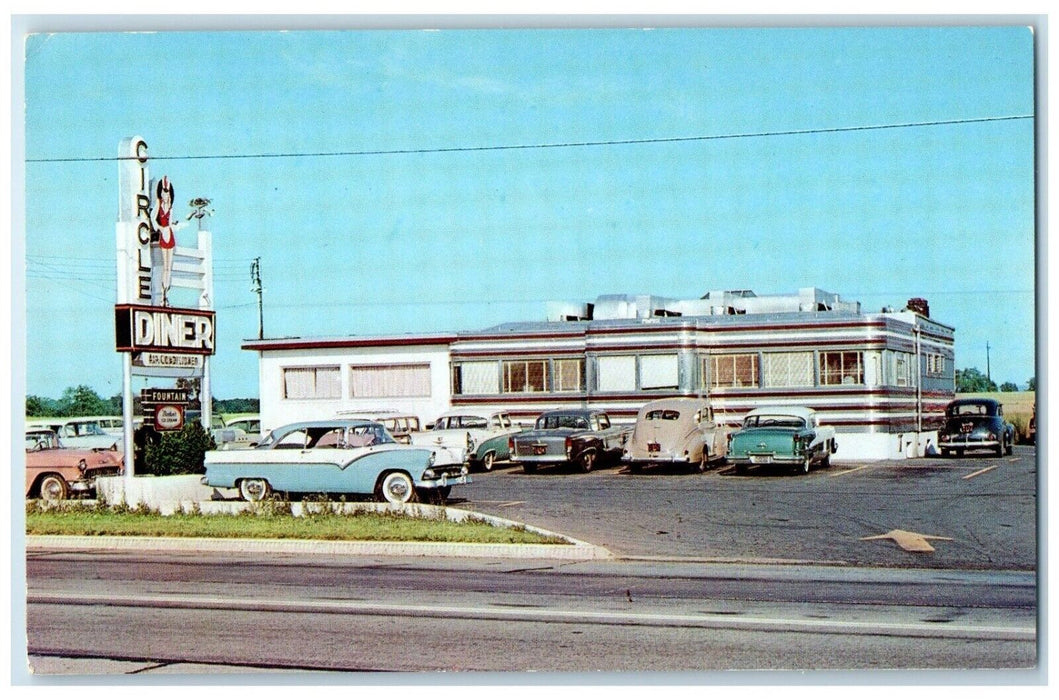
169, 417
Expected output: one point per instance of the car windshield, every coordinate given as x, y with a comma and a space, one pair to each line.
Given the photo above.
90, 428
773, 421
561, 421
41, 440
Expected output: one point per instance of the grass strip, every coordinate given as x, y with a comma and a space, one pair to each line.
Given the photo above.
360, 526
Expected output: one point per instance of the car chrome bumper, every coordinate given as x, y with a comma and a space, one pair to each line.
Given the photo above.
765, 458
969, 444
443, 481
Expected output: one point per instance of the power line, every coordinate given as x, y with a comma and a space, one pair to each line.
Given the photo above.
564, 144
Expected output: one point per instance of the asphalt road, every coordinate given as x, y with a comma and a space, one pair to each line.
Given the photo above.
716, 571
986, 505
151, 612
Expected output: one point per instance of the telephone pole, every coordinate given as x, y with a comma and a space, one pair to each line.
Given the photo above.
988, 376
255, 281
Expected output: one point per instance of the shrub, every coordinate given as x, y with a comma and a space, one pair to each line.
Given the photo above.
177, 452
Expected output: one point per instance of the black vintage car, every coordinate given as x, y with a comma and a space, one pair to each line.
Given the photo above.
582, 437
975, 424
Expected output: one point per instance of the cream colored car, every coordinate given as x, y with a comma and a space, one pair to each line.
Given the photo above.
676, 431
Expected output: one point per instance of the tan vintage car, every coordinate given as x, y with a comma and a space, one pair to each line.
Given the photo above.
54, 472
676, 431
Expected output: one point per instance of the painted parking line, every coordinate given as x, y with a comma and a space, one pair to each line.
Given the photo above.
980, 471
849, 471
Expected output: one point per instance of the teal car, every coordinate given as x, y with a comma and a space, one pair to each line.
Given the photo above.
336, 457
483, 435
782, 435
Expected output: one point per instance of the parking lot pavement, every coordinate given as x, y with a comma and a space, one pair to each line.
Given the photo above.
981, 509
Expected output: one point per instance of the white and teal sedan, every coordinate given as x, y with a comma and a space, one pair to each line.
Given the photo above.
782, 435
336, 457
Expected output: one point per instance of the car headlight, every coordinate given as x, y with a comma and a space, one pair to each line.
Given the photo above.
429, 474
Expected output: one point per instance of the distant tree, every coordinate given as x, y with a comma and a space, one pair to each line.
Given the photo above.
236, 406
973, 381
1009, 386
193, 387
1031, 384
82, 401
41, 406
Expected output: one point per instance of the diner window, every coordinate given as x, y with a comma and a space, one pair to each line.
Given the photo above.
784, 369
525, 376
841, 368
659, 372
733, 370
935, 365
569, 375
474, 378
616, 373
900, 371
312, 383
378, 381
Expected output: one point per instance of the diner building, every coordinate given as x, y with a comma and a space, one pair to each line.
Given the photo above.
882, 379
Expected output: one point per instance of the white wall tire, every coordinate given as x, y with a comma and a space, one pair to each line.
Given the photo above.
53, 488
254, 490
397, 488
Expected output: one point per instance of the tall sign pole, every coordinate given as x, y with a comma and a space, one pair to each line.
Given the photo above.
156, 337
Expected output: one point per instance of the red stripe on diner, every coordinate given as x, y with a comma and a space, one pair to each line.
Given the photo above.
298, 344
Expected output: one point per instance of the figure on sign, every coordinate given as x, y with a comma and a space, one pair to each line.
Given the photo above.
166, 226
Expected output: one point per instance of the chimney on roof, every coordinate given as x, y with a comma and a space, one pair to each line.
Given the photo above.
920, 306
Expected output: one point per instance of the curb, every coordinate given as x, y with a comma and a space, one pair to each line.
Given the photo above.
574, 552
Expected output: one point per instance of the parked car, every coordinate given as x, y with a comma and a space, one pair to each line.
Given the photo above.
679, 430
340, 456
401, 425
250, 425
483, 435
85, 433
786, 435
584, 437
975, 424
54, 472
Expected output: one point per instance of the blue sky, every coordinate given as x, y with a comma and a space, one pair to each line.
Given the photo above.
413, 181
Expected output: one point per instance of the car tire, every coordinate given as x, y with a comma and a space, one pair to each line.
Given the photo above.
1010, 449
397, 488
703, 464
805, 466
254, 490
487, 461
587, 461
826, 462
53, 488
528, 468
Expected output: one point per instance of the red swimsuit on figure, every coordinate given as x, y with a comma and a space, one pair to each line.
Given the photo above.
166, 239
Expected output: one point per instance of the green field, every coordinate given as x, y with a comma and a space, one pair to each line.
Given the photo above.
1018, 406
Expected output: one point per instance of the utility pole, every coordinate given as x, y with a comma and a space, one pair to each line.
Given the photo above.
988, 376
255, 280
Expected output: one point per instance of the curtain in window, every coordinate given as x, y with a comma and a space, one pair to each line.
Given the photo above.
617, 373
378, 381
783, 369
659, 372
